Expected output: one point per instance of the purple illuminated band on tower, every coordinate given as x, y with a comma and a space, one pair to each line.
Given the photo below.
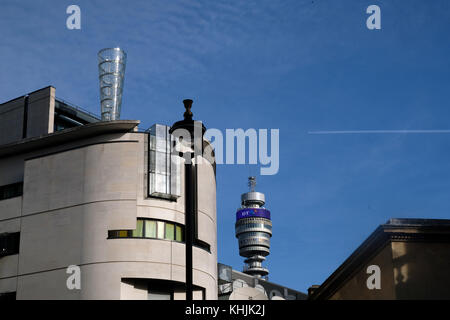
252, 212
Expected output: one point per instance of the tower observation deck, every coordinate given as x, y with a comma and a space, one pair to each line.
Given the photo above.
253, 230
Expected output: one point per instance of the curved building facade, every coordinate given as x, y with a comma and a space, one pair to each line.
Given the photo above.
94, 196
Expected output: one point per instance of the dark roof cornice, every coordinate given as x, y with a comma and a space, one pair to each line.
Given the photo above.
67, 135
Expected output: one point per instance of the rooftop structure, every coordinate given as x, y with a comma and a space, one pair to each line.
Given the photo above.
102, 196
234, 285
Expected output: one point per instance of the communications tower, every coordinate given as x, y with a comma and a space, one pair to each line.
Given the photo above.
253, 230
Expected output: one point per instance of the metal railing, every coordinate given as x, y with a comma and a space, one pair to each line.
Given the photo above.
78, 108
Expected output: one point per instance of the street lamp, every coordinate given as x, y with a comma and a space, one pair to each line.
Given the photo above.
188, 136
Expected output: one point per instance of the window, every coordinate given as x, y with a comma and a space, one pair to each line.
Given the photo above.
9, 243
170, 231
178, 233
7, 296
164, 180
159, 289
151, 229
163, 167
159, 295
157, 229
69, 116
123, 234
160, 228
139, 231
11, 190
202, 244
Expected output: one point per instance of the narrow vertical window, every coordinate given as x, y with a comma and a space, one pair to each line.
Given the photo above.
170, 231
139, 231
159, 295
150, 229
160, 229
164, 168
179, 234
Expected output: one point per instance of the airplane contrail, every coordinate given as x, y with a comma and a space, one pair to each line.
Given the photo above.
376, 131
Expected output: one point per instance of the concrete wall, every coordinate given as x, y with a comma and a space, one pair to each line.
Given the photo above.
39, 117
11, 121
421, 270
41, 112
356, 287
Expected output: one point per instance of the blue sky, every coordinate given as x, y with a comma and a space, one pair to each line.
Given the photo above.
298, 66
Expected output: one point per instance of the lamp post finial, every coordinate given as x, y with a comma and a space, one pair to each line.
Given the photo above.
188, 105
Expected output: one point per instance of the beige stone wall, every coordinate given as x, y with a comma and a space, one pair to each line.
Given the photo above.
421, 270
355, 288
41, 112
205, 264
409, 270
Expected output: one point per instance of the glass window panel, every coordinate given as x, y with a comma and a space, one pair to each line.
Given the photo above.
20, 189
161, 145
152, 142
123, 233
152, 177
139, 231
150, 229
158, 295
179, 234
11, 191
161, 163
175, 176
167, 180
161, 133
160, 183
160, 228
8, 193
170, 231
152, 161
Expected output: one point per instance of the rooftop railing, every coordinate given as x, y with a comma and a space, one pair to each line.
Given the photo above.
78, 108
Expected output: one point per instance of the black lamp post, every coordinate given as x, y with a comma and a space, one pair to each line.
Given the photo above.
195, 143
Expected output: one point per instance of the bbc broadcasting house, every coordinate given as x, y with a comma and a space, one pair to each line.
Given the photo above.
99, 195
104, 196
